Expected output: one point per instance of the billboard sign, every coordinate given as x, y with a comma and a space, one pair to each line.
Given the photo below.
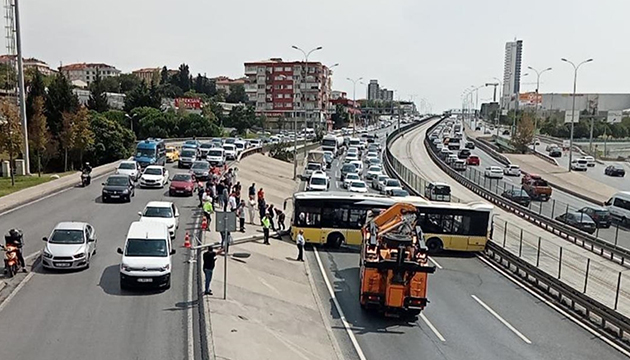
188, 103
530, 98
568, 116
614, 116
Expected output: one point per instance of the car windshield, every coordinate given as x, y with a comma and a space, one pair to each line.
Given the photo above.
191, 142
145, 153
348, 167
318, 181
382, 178
127, 166
442, 190
188, 153
399, 192
155, 211
313, 166
215, 153
228, 147
392, 182
117, 181
67, 237
358, 184
146, 247
153, 171
206, 146
182, 177
375, 169
170, 150
353, 176
201, 165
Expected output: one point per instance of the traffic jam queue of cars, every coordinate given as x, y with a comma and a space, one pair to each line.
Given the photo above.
147, 250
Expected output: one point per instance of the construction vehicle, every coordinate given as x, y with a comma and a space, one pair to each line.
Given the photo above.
394, 263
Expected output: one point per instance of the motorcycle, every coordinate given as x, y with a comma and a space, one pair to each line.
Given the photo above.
85, 179
11, 263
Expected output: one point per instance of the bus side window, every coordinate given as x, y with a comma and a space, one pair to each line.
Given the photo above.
354, 222
431, 223
447, 224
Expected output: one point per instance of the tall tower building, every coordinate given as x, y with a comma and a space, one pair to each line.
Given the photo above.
373, 90
512, 73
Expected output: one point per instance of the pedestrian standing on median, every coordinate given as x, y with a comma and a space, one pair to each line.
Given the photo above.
300, 245
209, 260
219, 193
200, 194
240, 212
266, 225
225, 197
232, 204
262, 208
252, 191
251, 207
208, 209
237, 192
261, 194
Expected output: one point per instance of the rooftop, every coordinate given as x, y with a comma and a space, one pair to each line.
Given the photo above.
81, 66
70, 225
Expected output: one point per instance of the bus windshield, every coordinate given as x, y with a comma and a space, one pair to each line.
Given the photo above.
145, 153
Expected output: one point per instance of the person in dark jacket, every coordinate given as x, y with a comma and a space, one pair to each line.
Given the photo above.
272, 213
209, 261
262, 208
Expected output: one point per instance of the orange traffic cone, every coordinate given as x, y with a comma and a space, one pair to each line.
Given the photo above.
187, 240
204, 223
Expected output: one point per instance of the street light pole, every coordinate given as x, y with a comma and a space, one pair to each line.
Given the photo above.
575, 72
538, 73
354, 104
306, 54
22, 97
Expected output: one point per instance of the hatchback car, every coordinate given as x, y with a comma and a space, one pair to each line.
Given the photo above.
579, 165
346, 169
599, 214
70, 245
555, 152
519, 196
473, 160
131, 168
172, 154
117, 187
373, 171
512, 170
390, 184
579, 221
163, 212
463, 154
378, 181
470, 145
459, 165
358, 186
201, 170
182, 184
154, 176
615, 170
493, 172
350, 177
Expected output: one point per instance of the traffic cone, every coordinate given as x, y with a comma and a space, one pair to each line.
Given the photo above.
187, 240
204, 223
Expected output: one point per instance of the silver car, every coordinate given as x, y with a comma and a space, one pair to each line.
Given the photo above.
70, 245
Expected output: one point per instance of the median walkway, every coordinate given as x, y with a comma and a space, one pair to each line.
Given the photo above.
272, 311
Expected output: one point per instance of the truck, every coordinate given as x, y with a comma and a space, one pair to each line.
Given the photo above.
332, 143
314, 161
536, 187
394, 264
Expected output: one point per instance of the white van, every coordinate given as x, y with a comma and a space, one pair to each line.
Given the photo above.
619, 206
216, 156
230, 151
147, 256
240, 146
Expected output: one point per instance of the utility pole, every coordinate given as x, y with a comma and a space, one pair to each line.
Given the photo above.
538, 73
354, 104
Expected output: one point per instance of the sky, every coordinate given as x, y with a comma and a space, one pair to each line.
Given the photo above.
432, 50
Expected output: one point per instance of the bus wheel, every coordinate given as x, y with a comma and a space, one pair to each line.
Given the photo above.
334, 240
435, 245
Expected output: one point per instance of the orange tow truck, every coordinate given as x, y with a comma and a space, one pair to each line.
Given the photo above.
394, 262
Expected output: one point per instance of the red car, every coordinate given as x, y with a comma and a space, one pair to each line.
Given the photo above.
473, 160
182, 184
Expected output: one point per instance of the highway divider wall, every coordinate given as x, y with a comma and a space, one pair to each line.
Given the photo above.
516, 255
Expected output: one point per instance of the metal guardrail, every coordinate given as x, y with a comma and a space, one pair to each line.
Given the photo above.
521, 261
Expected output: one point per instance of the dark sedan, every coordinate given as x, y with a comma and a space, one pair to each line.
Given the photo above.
182, 184
201, 170
555, 152
470, 145
463, 154
599, 214
579, 221
519, 196
615, 170
118, 187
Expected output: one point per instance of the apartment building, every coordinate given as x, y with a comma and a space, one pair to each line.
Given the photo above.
290, 89
225, 83
86, 72
512, 72
28, 63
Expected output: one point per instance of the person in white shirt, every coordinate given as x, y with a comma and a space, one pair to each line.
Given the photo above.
300, 244
232, 205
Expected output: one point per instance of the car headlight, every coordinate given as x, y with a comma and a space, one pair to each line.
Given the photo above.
205, 173
171, 226
172, 187
105, 191
189, 188
79, 256
47, 255
124, 267
165, 267
126, 191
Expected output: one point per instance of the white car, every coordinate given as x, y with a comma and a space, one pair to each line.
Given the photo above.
319, 182
358, 164
351, 157
230, 151
373, 171
130, 168
389, 184
590, 161
579, 164
371, 155
350, 178
512, 170
154, 176
70, 245
164, 212
358, 186
493, 172
378, 181
240, 146
451, 158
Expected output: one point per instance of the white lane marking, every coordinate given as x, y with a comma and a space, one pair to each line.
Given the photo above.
28, 257
435, 331
17, 288
502, 320
353, 339
435, 263
555, 307
189, 312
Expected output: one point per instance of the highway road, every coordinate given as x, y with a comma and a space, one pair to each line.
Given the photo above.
470, 305
82, 315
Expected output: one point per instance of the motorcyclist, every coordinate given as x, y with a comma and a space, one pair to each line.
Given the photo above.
16, 238
87, 171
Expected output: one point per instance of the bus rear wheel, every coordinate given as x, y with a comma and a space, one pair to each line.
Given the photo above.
334, 240
434, 245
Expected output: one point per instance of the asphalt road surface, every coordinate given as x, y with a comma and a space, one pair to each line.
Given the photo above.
80, 315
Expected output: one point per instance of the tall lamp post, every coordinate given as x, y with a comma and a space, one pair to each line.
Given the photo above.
354, 104
538, 73
575, 72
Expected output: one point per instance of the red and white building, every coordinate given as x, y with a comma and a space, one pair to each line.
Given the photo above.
290, 89
28, 63
86, 72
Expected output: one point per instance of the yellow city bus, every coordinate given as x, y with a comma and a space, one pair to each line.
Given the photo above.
336, 218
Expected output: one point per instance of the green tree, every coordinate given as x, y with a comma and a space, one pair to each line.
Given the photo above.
340, 117
109, 84
119, 117
98, 98
36, 89
618, 131
10, 131
164, 75
182, 78
142, 96
60, 99
8, 76
66, 136
155, 123
127, 82
237, 94
168, 90
113, 142
83, 135
38, 132
524, 134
